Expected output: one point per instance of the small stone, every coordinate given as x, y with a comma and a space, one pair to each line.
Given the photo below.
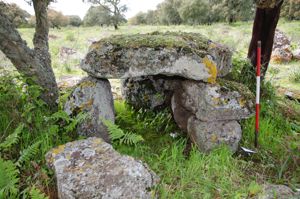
94, 97
92, 169
272, 191
296, 54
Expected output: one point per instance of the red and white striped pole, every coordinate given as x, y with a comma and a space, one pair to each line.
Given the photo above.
258, 65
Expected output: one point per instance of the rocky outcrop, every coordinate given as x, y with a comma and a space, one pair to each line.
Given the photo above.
93, 97
281, 48
187, 55
92, 169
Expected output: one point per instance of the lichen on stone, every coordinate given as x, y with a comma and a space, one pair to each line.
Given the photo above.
235, 86
212, 69
85, 84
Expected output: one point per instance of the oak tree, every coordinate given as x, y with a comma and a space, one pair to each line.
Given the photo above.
34, 64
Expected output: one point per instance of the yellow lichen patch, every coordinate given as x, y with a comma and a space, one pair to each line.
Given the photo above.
212, 69
216, 100
242, 102
87, 84
214, 138
212, 45
86, 105
97, 141
58, 149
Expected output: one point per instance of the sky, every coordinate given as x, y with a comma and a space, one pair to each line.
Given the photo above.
77, 7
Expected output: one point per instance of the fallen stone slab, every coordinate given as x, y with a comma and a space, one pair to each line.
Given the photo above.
187, 55
209, 113
94, 97
92, 169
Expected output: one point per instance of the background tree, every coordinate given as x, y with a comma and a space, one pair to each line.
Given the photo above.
168, 12
15, 14
138, 19
57, 19
265, 22
114, 7
97, 15
34, 64
74, 20
195, 12
291, 9
238, 10
152, 17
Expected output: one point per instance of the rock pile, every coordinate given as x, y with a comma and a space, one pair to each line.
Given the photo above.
92, 169
281, 48
177, 70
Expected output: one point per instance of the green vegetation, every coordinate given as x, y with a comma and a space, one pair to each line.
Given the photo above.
28, 132
218, 174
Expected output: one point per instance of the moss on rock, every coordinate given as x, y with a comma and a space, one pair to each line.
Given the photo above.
191, 42
241, 88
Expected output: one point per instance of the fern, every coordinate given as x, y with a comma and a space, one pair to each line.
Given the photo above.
74, 122
117, 134
28, 153
37, 194
12, 138
131, 138
60, 115
8, 179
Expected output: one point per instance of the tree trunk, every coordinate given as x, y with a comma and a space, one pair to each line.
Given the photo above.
34, 64
116, 26
264, 26
291, 6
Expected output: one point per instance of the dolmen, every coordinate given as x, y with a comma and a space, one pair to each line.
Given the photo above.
179, 71
182, 71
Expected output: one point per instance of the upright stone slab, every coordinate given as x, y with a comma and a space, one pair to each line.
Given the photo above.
151, 92
92, 169
215, 102
94, 97
209, 113
187, 55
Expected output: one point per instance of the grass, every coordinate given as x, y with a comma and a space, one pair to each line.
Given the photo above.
216, 175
